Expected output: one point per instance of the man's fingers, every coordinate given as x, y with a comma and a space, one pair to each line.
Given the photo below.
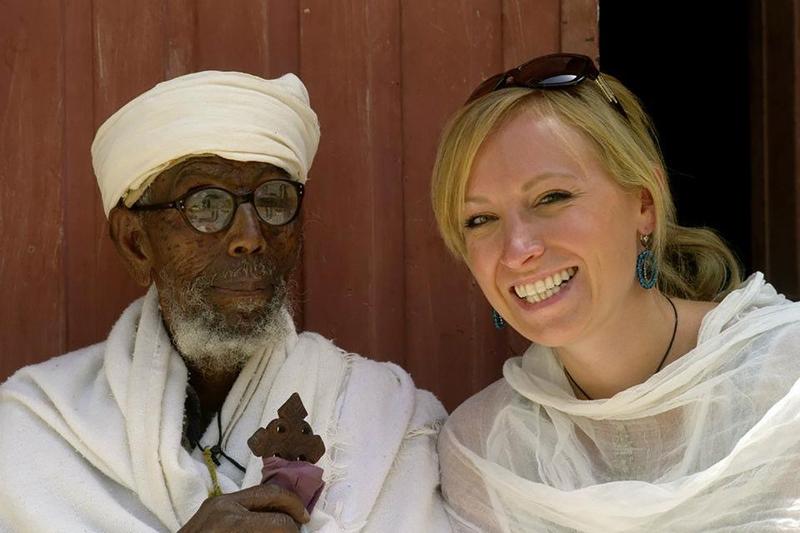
269, 497
268, 522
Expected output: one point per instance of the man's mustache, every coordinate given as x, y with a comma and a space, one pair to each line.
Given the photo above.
248, 268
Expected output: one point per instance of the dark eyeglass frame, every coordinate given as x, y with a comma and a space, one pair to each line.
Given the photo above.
546, 72
238, 199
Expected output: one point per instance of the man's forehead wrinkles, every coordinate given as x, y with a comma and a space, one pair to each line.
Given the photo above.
208, 167
221, 171
224, 168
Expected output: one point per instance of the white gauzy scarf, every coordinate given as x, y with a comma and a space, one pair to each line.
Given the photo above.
710, 443
91, 441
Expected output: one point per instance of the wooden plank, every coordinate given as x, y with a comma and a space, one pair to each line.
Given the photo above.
793, 290
530, 29
256, 36
180, 29
776, 213
353, 217
283, 32
452, 348
231, 36
579, 27
128, 59
32, 324
81, 197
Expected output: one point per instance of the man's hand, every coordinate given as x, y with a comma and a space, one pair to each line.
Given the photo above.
264, 508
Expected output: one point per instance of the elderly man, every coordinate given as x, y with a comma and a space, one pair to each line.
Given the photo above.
202, 178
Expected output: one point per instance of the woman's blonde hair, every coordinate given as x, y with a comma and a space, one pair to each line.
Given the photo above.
693, 263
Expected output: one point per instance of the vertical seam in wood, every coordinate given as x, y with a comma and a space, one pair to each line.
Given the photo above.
765, 185
303, 281
63, 330
165, 44
401, 142
95, 82
299, 34
503, 18
561, 25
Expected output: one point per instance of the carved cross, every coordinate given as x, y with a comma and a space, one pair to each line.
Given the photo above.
289, 436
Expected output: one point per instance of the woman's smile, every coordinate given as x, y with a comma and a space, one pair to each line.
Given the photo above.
544, 288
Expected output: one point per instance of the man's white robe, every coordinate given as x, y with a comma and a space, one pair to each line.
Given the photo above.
91, 441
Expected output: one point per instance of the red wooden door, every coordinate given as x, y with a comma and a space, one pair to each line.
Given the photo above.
383, 76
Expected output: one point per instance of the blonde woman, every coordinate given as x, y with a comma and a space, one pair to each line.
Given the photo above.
661, 392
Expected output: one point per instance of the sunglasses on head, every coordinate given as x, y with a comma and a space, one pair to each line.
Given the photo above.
554, 71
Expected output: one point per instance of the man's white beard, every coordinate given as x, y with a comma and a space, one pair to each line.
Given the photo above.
208, 343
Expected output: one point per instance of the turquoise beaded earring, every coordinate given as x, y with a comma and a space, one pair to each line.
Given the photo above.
646, 267
498, 321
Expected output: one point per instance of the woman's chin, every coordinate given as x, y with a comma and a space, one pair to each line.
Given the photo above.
551, 337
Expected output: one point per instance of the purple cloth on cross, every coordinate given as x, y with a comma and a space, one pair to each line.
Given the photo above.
300, 477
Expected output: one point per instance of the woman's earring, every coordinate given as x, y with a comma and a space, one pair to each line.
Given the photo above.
499, 323
646, 267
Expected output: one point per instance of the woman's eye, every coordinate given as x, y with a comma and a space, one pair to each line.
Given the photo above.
554, 196
475, 221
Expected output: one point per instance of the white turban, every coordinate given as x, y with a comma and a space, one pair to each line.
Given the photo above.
230, 114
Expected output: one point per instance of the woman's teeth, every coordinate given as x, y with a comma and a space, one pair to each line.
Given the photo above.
544, 288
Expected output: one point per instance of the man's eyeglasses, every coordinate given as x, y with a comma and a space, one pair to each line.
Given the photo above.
211, 209
554, 71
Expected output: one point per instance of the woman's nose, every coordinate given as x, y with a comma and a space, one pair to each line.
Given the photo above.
521, 244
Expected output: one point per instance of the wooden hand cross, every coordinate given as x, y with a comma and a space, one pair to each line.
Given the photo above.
289, 436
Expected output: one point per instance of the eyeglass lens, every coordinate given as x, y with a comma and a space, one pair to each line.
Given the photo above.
211, 210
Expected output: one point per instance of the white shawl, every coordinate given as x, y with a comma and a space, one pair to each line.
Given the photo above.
710, 443
91, 441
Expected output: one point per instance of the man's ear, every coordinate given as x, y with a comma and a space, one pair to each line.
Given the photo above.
132, 244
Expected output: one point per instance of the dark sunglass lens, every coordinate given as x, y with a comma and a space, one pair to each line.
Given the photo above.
276, 202
557, 70
559, 80
209, 210
486, 87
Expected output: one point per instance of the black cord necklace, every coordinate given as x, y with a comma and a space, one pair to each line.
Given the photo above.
660, 365
216, 450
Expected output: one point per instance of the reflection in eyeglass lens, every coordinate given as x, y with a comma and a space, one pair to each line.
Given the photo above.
209, 210
276, 202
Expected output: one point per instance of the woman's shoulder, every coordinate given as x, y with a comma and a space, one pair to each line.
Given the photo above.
754, 308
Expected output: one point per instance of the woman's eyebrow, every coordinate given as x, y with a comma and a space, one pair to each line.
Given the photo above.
527, 186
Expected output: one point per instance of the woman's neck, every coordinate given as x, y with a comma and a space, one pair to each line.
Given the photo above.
628, 348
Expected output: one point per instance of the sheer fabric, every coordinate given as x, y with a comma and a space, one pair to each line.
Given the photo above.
710, 443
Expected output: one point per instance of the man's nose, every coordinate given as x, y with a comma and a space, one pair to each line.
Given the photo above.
521, 243
245, 236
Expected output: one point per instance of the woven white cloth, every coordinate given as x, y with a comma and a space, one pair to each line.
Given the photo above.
709, 443
91, 441
230, 114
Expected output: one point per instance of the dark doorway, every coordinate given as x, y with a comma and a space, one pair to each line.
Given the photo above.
688, 62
